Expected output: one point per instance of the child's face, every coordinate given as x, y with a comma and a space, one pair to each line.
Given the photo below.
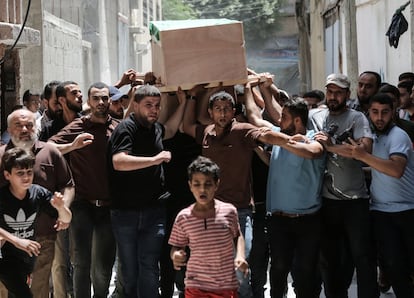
203, 188
20, 178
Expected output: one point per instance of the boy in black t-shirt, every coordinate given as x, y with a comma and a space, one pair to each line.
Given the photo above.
20, 202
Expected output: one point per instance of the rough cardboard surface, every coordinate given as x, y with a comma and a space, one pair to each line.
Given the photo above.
195, 55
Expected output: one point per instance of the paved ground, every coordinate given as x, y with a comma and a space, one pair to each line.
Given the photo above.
352, 291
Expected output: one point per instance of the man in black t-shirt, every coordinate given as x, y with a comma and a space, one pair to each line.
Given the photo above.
137, 188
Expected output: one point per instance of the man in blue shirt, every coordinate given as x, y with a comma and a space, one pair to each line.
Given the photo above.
294, 184
392, 194
293, 198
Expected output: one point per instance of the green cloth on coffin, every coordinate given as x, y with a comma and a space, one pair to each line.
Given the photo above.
157, 26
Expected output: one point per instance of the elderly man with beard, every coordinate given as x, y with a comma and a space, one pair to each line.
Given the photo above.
345, 208
50, 171
93, 246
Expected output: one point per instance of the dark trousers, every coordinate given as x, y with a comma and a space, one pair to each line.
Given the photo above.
260, 252
294, 239
167, 272
169, 276
93, 249
346, 224
139, 235
394, 235
13, 274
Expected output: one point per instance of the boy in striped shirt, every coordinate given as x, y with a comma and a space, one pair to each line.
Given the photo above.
211, 230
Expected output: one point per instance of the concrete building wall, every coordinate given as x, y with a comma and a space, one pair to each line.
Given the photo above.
92, 11
32, 58
87, 63
374, 51
334, 46
87, 41
81, 40
60, 55
12, 33
62, 50
140, 37
69, 10
317, 39
123, 39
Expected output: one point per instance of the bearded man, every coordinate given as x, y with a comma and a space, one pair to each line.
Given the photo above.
50, 171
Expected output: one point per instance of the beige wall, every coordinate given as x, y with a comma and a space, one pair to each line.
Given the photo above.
31, 58
374, 51
317, 44
62, 50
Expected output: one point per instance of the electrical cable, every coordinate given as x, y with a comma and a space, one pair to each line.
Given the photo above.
18, 36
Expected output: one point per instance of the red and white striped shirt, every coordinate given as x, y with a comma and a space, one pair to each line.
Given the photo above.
211, 241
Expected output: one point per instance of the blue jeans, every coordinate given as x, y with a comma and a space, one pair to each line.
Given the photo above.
346, 225
394, 234
245, 221
93, 249
259, 255
139, 236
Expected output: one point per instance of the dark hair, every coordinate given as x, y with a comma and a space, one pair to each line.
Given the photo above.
16, 107
381, 98
298, 108
97, 85
408, 85
388, 88
149, 78
205, 166
48, 90
406, 76
146, 90
61, 90
17, 158
375, 74
315, 94
239, 109
28, 93
221, 95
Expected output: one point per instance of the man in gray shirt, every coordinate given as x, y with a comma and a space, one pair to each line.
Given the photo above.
345, 209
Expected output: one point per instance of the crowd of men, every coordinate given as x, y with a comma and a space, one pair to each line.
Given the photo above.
329, 196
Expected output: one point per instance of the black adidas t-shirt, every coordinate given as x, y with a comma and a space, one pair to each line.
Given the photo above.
18, 216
